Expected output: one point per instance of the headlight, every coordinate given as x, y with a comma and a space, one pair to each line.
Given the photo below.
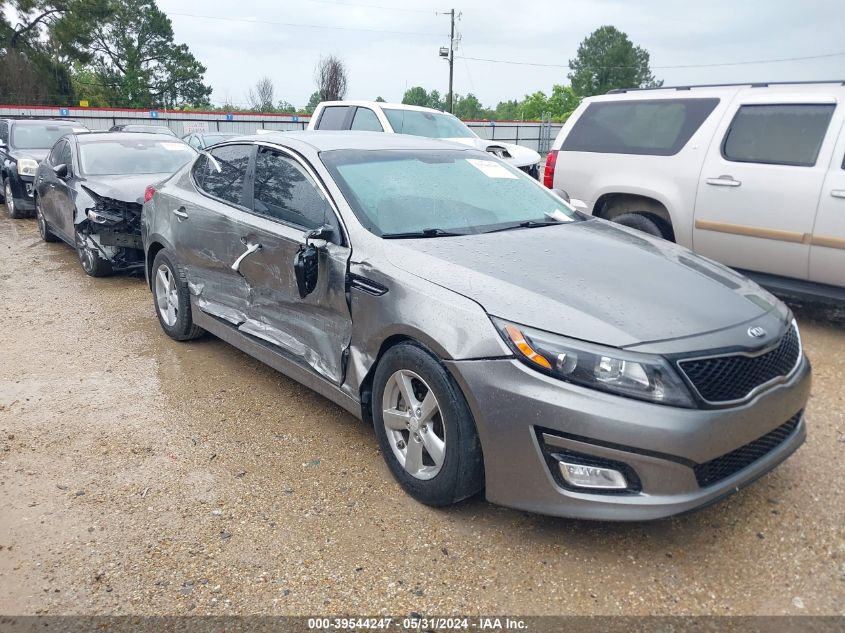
27, 166
641, 376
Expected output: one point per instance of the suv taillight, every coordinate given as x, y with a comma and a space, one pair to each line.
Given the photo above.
149, 192
549, 171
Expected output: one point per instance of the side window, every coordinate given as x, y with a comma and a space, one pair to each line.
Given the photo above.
333, 118
56, 153
777, 134
284, 191
365, 119
65, 157
222, 172
194, 141
651, 127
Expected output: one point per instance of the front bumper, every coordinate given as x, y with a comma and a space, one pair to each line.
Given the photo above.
23, 189
515, 408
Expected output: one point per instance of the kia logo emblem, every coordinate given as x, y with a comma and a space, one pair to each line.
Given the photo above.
756, 332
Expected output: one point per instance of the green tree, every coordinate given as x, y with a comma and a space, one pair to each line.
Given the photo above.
606, 60
507, 111
380, 100
313, 102
38, 40
418, 96
134, 55
285, 107
468, 107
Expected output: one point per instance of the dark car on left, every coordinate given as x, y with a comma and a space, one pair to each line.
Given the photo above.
90, 188
23, 144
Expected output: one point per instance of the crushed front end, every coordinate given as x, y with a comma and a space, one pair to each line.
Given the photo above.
113, 228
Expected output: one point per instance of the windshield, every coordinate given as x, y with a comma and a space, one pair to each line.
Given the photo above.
38, 136
430, 124
141, 156
459, 191
211, 139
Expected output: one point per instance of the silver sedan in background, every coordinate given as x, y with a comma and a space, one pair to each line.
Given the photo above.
496, 338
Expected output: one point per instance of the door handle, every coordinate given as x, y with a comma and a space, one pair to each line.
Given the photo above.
723, 181
250, 249
180, 213
838, 193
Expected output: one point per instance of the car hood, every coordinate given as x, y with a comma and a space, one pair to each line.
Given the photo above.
588, 280
35, 154
126, 188
516, 154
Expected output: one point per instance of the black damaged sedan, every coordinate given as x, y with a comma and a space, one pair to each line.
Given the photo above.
90, 189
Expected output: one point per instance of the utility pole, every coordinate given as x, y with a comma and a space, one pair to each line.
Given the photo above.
451, 58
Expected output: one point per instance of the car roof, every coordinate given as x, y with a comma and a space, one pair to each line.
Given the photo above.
383, 104
93, 137
325, 140
68, 122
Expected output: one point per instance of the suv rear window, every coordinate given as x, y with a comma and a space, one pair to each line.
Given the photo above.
777, 134
333, 118
654, 127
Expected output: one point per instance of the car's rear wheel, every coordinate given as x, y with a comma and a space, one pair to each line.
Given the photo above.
43, 227
172, 299
9, 198
640, 222
425, 428
89, 256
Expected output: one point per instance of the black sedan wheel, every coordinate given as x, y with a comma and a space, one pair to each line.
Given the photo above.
43, 227
11, 207
89, 256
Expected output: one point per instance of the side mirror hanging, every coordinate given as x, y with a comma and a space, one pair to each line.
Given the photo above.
307, 259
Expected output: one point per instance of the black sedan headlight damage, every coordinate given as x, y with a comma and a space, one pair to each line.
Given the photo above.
640, 376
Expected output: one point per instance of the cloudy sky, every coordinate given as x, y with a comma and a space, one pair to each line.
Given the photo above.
389, 45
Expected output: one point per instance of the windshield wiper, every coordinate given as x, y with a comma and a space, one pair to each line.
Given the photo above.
527, 224
423, 233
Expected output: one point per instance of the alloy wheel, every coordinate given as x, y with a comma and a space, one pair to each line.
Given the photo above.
85, 251
414, 424
167, 296
10, 201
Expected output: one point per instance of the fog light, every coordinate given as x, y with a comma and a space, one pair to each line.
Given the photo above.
582, 476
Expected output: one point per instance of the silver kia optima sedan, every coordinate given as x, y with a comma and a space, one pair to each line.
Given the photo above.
496, 338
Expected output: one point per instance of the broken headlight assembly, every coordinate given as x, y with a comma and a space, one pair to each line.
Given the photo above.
640, 376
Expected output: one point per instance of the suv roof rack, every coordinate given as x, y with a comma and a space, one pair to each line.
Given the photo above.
752, 84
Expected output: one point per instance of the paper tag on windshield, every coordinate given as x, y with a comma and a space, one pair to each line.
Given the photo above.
491, 169
174, 147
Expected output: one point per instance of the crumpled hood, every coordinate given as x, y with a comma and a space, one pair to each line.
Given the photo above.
35, 154
126, 188
588, 280
519, 156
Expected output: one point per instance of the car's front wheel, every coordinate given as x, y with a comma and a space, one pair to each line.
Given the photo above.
11, 207
172, 299
43, 227
425, 428
89, 255
640, 222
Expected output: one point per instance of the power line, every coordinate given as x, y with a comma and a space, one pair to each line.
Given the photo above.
371, 6
758, 61
303, 26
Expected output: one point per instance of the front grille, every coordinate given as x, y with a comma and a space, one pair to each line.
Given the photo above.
729, 378
723, 467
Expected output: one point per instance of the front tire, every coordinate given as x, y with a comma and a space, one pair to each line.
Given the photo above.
92, 263
172, 300
43, 227
425, 428
9, 198
640, 222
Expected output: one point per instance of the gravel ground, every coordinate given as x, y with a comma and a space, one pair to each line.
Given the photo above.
143, 476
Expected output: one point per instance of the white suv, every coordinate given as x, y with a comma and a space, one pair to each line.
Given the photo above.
398, 118
751, 175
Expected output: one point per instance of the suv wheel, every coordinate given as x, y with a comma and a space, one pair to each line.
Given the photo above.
172, 300
89, 256
424, 427
43, 227
640, 222
10, 200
